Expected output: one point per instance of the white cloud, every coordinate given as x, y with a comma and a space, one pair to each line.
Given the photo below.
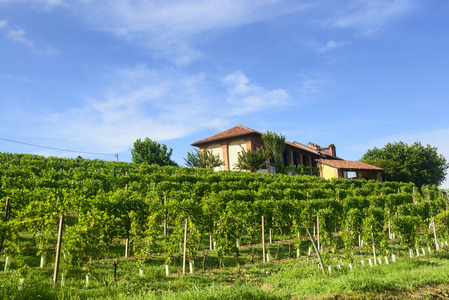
18, 35
368, 16
140, 102
46, 4
330, 46
169, 28
246, 98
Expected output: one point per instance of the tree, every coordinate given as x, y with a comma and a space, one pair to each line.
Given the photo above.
274, 148
251, 160
205, 159
415, 163
151, 152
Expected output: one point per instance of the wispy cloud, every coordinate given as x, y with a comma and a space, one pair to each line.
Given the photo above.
330, 46
45, 4
168, 28
18, 35
246, 98
369, 16
140, 102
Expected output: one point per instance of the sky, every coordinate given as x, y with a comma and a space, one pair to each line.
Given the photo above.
94, 76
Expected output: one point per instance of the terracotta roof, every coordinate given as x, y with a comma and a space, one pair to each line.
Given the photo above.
312, 150
232, 132
349, 164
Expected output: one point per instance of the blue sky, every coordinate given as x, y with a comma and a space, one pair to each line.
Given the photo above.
94, 76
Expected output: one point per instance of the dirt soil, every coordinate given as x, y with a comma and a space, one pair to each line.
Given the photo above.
430, 292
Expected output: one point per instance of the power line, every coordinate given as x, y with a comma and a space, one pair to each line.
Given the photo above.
58, 149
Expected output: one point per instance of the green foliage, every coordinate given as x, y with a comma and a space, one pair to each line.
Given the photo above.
249, 160
407, 227
409, 163
203, 159
101, 212
274, 146
374, 230
295, 170
151, 152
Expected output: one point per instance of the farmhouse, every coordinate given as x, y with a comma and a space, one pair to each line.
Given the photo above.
227, 144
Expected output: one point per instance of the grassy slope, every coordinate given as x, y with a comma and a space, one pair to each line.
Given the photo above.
422, 277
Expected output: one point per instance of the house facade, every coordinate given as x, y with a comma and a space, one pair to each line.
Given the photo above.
227, 144
348, 169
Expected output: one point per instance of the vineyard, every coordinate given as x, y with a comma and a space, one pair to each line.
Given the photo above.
70, 216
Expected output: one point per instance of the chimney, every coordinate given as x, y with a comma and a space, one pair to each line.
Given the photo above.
333, 150
313, 145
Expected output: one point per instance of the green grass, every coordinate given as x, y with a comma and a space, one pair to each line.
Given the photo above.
284, 278
281, 279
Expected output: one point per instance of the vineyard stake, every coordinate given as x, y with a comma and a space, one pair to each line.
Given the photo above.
127, 248
316, 250
210, 243
165, 215
318, 232
185, 247
263, 241
389, 225
58, 250
435, 233
127, 238
374, 247
432, 219
271, 240
5, 219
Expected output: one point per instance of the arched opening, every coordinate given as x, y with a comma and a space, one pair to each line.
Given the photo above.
285, 158
296, 159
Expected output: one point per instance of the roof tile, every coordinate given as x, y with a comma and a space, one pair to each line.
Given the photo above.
232, 132
349, 164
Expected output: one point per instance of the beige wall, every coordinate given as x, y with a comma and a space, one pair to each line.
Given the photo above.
233, 149
328, 172
216, 150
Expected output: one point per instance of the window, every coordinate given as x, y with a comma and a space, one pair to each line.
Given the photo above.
349, 174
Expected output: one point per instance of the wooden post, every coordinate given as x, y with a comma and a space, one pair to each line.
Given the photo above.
5, 218
432, 219
165, 215
389, 225
114, 269
127, 239
185, 247
374, 248
6, 210
58, 250
263, 241
271, 240
435, 234
211, 247
316, 249
318, 232
127, 248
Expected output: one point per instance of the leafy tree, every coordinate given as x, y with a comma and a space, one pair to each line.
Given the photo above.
205, 159
151, 152
251, 160
274, 148
415, 163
